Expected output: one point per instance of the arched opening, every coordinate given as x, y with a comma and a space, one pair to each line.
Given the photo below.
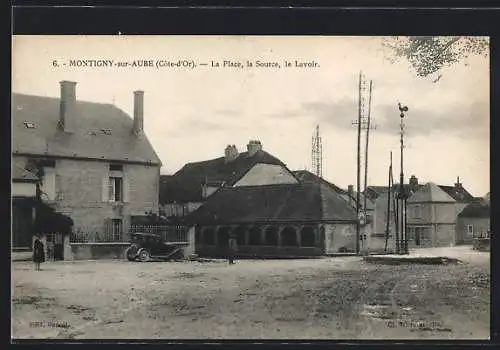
307, 238
197, 236
271, 236
240, 232
289, 237
209, 236
223, 236
254, 236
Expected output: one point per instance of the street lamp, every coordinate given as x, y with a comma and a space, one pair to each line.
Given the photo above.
402, 195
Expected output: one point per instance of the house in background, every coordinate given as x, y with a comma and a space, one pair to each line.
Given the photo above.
432, 217
187, 189
277, 220
474, 222
432, 211
97, 164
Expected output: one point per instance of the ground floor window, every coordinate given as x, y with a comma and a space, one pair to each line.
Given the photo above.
470, 230
117, 229
418, 234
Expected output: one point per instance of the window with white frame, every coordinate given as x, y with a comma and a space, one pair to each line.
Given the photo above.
115, 189
470, 230
116, 227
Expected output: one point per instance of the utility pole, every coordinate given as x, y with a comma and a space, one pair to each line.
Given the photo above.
388, 225
368, 127
363, 123
402, 194
358, 176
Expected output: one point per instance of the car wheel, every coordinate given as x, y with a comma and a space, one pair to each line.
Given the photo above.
144, 255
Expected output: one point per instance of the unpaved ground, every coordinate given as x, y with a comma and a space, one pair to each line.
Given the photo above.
331, 298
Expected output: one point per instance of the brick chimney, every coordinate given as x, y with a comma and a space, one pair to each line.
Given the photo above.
458, 185
138, 126
254, 146
230, 153
67, 110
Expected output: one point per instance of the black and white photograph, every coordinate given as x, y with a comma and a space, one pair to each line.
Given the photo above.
250, 187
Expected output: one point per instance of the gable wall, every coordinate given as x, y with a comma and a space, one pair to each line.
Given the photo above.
266, 174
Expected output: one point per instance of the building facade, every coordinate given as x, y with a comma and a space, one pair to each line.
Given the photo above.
431, 217
474, 222
187, 189
96, 164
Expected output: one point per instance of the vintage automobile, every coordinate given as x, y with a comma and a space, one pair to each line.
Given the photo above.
149, 246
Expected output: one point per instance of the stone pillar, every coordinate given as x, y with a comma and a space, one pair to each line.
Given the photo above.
68, 253
190, 249
298, 233
280, 240
263, 235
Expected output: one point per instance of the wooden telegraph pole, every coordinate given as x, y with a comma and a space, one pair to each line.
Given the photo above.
363, 123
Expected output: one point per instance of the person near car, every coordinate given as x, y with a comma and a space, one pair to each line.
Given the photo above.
38, 253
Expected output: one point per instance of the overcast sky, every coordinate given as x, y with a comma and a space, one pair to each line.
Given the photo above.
192, 114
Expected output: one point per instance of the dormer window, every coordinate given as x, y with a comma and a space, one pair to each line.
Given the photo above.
30, 125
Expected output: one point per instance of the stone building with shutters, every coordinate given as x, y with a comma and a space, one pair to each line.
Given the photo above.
97, 164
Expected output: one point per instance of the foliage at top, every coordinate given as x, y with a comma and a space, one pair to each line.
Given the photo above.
429, 54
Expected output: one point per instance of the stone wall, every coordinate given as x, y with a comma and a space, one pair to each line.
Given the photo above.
95, 251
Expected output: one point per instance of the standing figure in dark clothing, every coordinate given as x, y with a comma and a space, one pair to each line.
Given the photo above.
232, 248
38, 253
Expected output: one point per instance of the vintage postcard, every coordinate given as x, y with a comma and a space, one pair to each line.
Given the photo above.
250, 187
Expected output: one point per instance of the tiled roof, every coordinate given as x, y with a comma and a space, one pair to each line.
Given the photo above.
102, 131
459, 194
431, 192
21, 174
185, 185
304, 202
308, 177
477, 209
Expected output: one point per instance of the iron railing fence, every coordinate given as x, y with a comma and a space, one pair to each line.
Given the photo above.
114, 233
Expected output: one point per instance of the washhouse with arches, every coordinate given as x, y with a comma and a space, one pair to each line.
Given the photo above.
279, 220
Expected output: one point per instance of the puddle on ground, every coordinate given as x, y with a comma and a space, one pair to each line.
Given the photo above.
376, 311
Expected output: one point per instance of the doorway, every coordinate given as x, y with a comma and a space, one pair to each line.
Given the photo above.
55, 246
418, 231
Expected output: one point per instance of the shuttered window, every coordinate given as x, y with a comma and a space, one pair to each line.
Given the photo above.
115, 186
